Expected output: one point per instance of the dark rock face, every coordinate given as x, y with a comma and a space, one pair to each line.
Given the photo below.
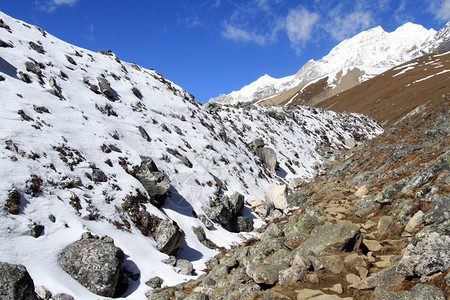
15, 283
94, 263
168, 236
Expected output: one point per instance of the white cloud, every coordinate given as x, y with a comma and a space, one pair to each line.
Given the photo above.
342, 27
299, 25
51, 5
238, 34
440, 9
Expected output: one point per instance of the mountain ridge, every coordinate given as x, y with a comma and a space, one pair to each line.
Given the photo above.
373, 48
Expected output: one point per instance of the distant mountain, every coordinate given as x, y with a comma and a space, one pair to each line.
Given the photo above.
353, 61
95, 144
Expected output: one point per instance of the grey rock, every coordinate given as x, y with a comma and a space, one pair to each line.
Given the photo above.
156, 183
36, 47
171, 261
42, 292
197, 296
419, 291
299, 227
15, 283
185, 267
168, 237
155, 282
25, 77
296, 199
98, 175
292, 275
208, 224
272, 231
343, 236
33, 68
237, 203
62, 296
265, 273
71, 60
388, 277
200, 233
439, 210
36, 230
105, 87
244, 224
386, 224
272, 295
269, 158
427, 252
144, 133
94, 263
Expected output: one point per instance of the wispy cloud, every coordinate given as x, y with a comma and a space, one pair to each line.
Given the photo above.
238, 34
343, 26
51, 5
299, 25
440, 9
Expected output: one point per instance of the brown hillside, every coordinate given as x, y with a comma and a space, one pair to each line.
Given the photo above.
387, 98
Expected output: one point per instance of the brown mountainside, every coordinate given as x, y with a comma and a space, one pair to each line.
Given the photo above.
393, 94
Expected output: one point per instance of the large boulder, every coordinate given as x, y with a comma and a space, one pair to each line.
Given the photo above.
427, 252
94, 263
168, 236
267, 274
277, 194
156, 183
269, 158
343, 236
15, 283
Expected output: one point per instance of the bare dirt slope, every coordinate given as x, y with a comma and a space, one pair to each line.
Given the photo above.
393, 94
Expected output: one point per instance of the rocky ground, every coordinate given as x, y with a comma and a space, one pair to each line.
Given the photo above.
374, 224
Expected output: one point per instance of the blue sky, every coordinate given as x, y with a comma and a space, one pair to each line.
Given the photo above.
217, 46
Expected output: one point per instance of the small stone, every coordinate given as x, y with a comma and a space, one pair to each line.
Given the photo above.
185, 267
42, 292
336, 288
292, 275
63, 297
363, 272
255, 201
352, 278
353, 260
36, 230
415, 221
372, 245
52, 218
308, 294
386, 224
171, 261
332, 263
362, 191
155, 282
313, 278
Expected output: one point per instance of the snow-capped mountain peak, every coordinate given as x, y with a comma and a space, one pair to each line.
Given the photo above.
372, 51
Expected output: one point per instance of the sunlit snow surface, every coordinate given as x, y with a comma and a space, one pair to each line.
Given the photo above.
76, 124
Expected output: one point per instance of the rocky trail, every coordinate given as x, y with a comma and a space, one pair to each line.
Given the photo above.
373, 225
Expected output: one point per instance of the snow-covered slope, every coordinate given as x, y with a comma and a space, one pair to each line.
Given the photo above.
372, 52
56, 127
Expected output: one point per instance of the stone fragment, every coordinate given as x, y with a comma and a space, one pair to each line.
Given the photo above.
362, 191
352, 278
386, 224
42, 292
372, 245
185, 267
